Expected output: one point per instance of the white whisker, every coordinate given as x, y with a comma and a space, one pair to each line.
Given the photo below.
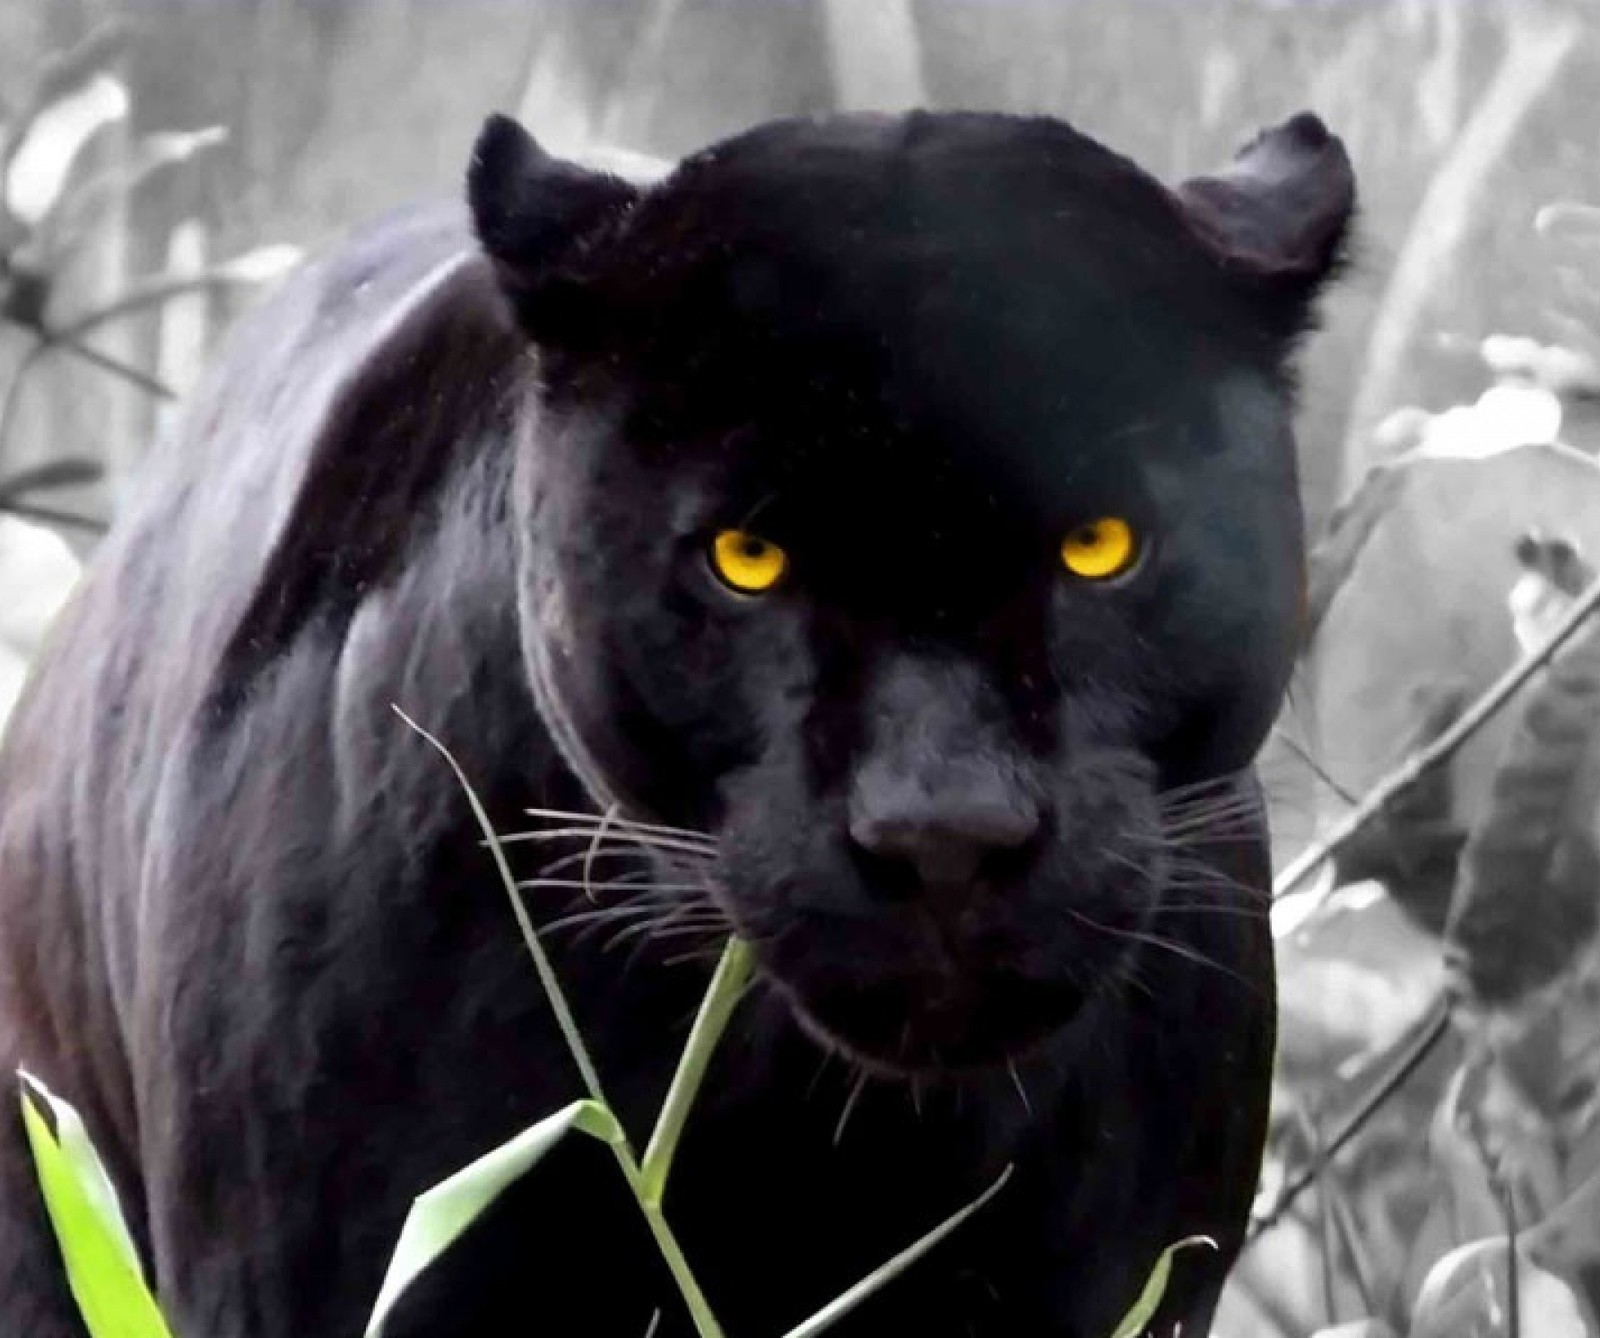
1173, 946
576, 859
849, 1105
629, 886
1016, 1079
615, 819
617, 839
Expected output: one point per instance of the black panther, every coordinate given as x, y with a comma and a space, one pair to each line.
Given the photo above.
879, 537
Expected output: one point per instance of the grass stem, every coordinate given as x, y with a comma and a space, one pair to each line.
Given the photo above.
541, 960
726, 986
721, 998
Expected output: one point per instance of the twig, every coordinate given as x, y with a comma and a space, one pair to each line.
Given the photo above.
1508, 1208
13, 391
61, 472
1410, 771
70, 336
1361, 1269
44, 342
1500, 1187
50, 515
1317, 770
154, 292
1313, 1131
106, 363
1431, 1030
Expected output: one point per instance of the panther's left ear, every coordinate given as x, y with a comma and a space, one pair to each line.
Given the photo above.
532, 212
1280, 213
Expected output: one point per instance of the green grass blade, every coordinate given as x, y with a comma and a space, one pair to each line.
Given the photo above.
842, 1305
102, 1265
694, 1299
1155, 1287
721, 998
541, 961
440, 1215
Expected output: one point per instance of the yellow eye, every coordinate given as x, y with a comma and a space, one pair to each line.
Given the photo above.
1100, 549
747, 563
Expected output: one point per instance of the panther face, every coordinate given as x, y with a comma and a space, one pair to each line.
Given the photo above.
910, 503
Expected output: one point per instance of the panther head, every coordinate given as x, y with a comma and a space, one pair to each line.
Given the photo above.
910, 502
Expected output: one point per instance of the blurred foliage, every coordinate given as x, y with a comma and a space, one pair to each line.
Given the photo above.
1466, 546
51, 211
336, 111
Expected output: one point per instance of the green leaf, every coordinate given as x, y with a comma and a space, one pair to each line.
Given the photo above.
440, 1215
1155, 1287
102, 1265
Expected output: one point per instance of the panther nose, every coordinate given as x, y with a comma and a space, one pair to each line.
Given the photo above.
947, 840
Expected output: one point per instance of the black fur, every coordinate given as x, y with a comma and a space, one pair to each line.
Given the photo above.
248, 924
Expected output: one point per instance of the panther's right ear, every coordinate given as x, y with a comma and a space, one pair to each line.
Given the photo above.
531, 212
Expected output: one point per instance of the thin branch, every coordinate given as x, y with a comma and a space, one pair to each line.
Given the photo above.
50, 515
155, 292
1508, 1209
1409, 772
62, 472
106, 363
1361, 1269
1324, 1201
13, 391
1431, 1030
1317, 770
44, 342
147, 293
